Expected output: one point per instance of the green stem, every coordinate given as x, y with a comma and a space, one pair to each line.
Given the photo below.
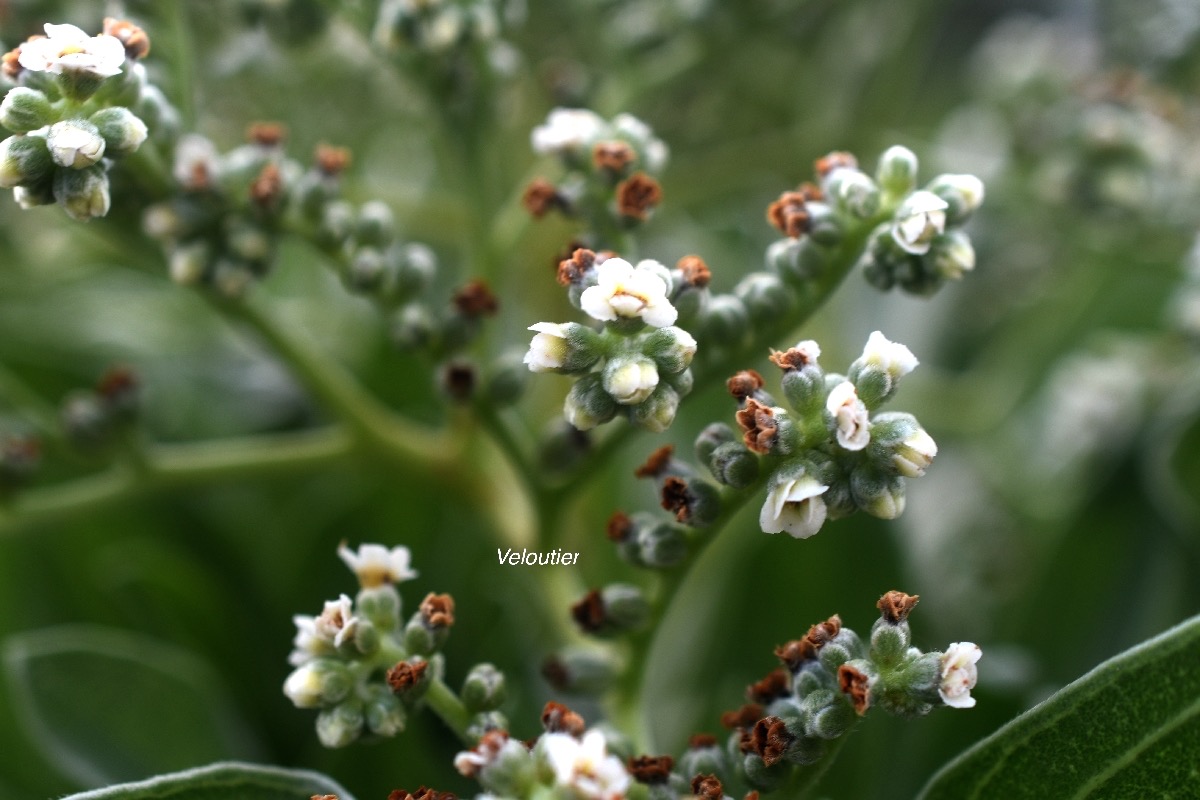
181, 44
806, 778
445, 703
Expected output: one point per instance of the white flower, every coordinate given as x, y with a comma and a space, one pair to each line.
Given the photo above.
918, 220
959, 674
567, 130
375, 565
308, 642
195, 162
68, 49
548, 350
75, 143
337, 623
892, 357
624, 292
630, 381
914, 455
850, 415
303, 687
584, 766
794, 505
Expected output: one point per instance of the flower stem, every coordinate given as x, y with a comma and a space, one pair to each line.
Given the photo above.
445, 703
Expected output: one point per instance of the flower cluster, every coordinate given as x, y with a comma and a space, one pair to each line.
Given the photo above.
80, 104
637, 363
364, 668
832, 453
611, 168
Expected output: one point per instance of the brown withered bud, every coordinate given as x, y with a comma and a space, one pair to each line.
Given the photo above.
791, 359
751, 795
638, 195
744, 384
571, 270
777, 683
695, 271
266, 134
324, 797
707, 787
857, 686
743, 717
474, 299
555, 672
10, 65
650, 769
789, 214
437, 610
835, 160
613, 156
423, 793
795, 653
541, 197
557, 718
822, 632
619, 527
896, 606
770, 739
757, 422
700, 741
589, 612
266, 190
332, 161
137, 43
118, 387
404, 675
458, 379
657, 463
677, 498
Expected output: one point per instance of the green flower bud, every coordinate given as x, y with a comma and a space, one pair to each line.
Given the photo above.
732, 464
318, 683
877, 493
811, 677
725, 321
25, 109
563, 347
416, 265
383, 712
366, 639
952, 254
418, 638
832, 721
160, 116
682, 382
24, 160
660, 545
486, 721
230, 278
506, 380
843, 647
412, 328
712, 437
483, 689
671, 348
625, 607
380, 605
963, 194
122, 130
911, 688
82, 193
764, 295
897, 171
588, 404
824, 227
581, 671
336, 225
889, 642
249, 243
36, 194
376, 224
761, 777
657, 412
854, 192
704, 758
75, 143
797, 261
366, 271
804, 388
340, 725
562, 446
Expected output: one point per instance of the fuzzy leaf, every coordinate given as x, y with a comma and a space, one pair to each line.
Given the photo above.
223, 781
1128, 729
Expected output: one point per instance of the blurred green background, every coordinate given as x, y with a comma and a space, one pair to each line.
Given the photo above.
1061, 380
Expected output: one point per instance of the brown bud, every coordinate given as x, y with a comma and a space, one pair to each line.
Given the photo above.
835, 160
571, 270
557, 718
896, 606
474, 299
437, 610
791, 359
541, 197
777, 683
758, 424
589, 612
700, 741
638, 195
620, 527
707, 787
789, 214
651, 769
743, 717
332, 161
266, 134
404, 675
657, 463
137, 43
857, 685
677, 498
613, 156
266, 190
770, 739
695, 271
744, 384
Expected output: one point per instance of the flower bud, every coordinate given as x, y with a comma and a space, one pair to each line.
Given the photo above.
952, 254
958, 674
562, 446
660, 545
25, 109
366, 270
318, 683
764, 295
920, 218
506, 379
588, 404
889, 642
671, 348
732, 464
31, 196
625, 607
832, 721
24, 160
712, 437
882, 364
75, 143
412, 328
704, 756
340, 725
483, 689
486, 721
854, 192
897, 171
877, 493
82, 193
760, 776
384, 713
122, 130
375, 225
963, 194
85, 420
188, 263
824, 227
563, 347
797, 261
581, 671
656, 412
416, 265
725, 320
336, 225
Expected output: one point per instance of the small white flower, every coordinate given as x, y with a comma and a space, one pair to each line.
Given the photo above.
548, 350
630, 381
376, 565
850, 415
567, 130
918, 220
623, 292
959, 674
914, 455
892, 357
794, 505
68, 49
337, 623
304, 687
308, 642
75, 143
584, 766
195, 162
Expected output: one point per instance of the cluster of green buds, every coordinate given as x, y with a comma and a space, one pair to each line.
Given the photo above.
911, 238
80, 103
831, 454
365, 668
637, 363
611, 166
97, 420
830, 679
436, 26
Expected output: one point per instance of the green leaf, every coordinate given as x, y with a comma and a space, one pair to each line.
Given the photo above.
225, 781
1128, 729
106, 706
